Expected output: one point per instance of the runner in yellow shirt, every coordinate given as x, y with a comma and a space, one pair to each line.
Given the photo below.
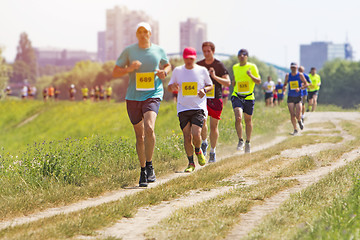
246, 75
313, 89
85, 93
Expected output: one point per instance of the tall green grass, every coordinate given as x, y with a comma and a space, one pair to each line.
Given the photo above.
339, 221
59, 152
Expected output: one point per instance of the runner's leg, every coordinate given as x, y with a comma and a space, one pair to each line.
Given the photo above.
196, 135
189, 149
238, 121
149, 130
291, 107
140, 147
314, 102
248, 126
214, 131
204, 130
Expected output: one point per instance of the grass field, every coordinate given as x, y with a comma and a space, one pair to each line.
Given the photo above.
53, 154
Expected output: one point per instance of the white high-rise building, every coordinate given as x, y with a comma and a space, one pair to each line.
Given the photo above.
121, 29
192, 34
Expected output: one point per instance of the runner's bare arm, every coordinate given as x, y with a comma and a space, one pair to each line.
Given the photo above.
305, 84
286, 82
173, 87
119, 71
223, 80
255, 79
164, 72
202, 92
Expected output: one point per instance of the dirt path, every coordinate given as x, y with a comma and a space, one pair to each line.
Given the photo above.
128, 228
133, 228
253, 218
26, 121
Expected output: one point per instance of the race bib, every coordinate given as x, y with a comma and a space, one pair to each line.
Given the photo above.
280, 91
243, 86
211, 94
189, 89
145, 81
294, 85
269, 87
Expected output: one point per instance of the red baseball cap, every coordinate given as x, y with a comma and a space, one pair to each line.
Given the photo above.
189, 52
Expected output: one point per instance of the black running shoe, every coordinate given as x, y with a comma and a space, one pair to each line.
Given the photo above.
150, 174
143, 179
301, 125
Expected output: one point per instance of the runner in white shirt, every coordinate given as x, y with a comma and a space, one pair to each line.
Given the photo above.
269, 87
192, 82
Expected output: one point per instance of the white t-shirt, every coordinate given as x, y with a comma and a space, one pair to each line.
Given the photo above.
190, 82
269, 86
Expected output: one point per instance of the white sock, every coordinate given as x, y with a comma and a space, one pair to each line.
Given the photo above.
205, 141
212, 150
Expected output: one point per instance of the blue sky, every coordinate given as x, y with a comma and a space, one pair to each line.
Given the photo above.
270, 30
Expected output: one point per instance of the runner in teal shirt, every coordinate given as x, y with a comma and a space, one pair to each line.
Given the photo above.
147, 65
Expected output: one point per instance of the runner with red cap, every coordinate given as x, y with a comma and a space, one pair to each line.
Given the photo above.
192, 83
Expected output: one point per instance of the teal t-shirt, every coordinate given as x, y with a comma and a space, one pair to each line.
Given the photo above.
152, 58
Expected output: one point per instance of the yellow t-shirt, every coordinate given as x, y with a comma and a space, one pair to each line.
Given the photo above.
244, 85
315, 81
85, 92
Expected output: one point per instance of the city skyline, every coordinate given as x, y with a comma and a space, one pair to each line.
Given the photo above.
268, 30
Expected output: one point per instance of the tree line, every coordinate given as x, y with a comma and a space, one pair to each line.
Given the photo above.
340, 78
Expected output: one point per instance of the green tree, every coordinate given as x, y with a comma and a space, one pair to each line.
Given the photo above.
5, 71
105, 75
25, 61
340, 83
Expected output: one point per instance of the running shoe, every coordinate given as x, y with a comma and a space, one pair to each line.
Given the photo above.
212, 158
190, 168
201, 158
150, 174
240, 145
301, 125
247, 147
294, 133
204, 147
143, 179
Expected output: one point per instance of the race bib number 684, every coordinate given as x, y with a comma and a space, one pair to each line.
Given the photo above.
189, 89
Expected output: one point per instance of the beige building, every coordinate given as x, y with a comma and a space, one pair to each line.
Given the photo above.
120, 29
192, 34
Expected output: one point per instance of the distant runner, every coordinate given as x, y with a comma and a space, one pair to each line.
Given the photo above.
280, 92
246, 75
192, 82
314, 89
304, 93
296, 82
219, 76
268, 88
